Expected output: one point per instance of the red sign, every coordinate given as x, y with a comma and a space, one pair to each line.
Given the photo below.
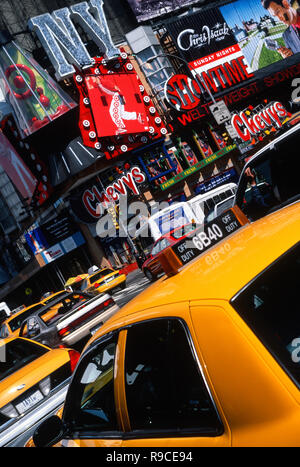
249, 126
116, 113
93, 198
117, 104
184, 93
16, 169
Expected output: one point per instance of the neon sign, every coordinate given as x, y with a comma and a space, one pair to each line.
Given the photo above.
184, 93
247, 127
62, 42
92, 199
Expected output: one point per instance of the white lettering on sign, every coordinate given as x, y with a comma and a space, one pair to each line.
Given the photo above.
93, 198
218, 32
247, 127
62, 42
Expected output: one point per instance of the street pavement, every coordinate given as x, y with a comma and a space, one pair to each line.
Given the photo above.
136, 283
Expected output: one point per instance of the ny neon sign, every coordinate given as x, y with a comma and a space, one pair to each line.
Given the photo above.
62, 42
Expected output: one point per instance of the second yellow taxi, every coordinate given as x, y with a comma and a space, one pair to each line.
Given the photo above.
104, 280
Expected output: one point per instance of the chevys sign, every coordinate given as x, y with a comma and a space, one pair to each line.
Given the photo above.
93, 199
247, 127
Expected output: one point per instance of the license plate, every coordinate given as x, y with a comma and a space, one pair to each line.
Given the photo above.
109, 279
29, 402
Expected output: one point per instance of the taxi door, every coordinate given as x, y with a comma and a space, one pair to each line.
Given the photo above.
166, 400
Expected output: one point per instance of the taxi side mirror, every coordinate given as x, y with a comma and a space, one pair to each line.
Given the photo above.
49, 432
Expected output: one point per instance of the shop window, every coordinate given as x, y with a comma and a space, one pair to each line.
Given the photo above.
164, 387
158, 165
203, 145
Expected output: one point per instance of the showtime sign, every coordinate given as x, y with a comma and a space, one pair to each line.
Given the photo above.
184, 93
247, 127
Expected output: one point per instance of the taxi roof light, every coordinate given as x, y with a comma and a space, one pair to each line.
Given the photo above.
173, 258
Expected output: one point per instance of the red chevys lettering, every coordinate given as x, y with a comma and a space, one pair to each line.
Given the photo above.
247, 127
93, 198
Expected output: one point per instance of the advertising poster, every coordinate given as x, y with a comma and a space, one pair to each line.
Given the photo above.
203, 145
264, 36
188, 153
117, 104
31, 92
207, 43
147, 9
220, 141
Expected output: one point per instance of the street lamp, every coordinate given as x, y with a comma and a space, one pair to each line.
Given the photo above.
193, 73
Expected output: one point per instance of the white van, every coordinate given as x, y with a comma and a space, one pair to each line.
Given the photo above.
203, 204
162, 222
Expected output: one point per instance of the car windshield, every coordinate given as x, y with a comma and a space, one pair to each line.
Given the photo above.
16, 322
272, 181
67, 304
100, 275
17, 354
178, 233
269, 306
55, 297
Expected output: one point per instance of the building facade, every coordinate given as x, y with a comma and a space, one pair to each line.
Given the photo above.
206, 87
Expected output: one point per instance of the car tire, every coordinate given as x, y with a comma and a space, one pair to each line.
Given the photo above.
149, 275
123, 286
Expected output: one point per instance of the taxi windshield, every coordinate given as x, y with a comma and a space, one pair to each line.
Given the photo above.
16, 322
100, 275
17, 354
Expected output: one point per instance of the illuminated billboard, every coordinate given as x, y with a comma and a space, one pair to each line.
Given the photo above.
118, 104
205, 41
147, 9
265, 36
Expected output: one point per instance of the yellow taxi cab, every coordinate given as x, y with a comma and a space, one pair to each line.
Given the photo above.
33, 383
11, 326
209, 355
104, 280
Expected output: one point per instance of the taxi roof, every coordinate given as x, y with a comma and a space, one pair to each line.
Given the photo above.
15, 315
100, 270
223, 270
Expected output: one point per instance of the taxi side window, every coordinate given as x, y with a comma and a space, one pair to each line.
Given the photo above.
268, 304
90, 405
164, 386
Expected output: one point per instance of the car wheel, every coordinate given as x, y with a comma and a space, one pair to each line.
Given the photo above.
123, 286
149, 275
